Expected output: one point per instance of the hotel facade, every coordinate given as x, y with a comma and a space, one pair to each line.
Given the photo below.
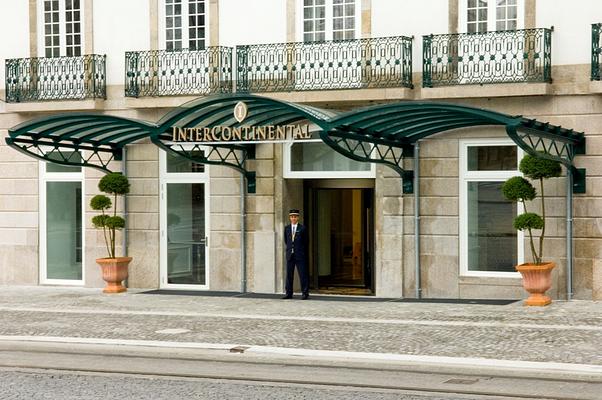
390, 124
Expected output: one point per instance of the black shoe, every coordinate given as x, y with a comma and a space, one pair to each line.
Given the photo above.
287, 297
305, 296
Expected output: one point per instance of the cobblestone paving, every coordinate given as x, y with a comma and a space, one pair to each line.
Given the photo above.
21, 385
568, 332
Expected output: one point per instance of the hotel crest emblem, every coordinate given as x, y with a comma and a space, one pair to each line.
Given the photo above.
240, 111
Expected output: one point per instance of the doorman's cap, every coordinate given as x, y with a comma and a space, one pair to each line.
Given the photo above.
293, 211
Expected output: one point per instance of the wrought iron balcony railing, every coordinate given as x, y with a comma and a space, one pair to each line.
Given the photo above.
60, 78
346, 64
493, 57
183, 72
596, 51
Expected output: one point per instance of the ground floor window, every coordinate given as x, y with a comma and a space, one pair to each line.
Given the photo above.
61, 224
315, 159
489, 245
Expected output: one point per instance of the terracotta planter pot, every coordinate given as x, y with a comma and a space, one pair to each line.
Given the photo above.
536, 280
114, 271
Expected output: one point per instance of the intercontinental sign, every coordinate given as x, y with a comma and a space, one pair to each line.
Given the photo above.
243, 133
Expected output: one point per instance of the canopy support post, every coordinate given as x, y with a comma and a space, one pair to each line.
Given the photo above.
569, 234
243, 244
417, 219
124, 237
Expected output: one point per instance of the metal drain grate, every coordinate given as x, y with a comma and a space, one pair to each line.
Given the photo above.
457, 381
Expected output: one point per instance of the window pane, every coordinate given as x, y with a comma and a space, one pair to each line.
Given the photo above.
317, 156
492, 158
492, 240
176, 163
71, 156
186, 233
64, 230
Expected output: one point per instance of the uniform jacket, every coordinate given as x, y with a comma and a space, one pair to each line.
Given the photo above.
299, 244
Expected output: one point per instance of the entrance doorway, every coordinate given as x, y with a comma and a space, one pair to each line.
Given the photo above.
342, 240
184, 224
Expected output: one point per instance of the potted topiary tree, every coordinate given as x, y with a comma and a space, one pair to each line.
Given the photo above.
114, 269
537, 276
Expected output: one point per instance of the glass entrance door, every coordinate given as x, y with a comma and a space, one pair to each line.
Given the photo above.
186, 238
342, 240
184, 224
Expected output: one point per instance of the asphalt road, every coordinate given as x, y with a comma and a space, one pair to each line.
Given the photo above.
48, 384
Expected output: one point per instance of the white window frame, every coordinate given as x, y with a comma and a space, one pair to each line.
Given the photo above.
491, 15
466, 176
181, 177
43, 246
329, 20
62, 29
288, 173
185, 26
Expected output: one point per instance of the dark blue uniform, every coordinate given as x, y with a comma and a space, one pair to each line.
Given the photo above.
296, 254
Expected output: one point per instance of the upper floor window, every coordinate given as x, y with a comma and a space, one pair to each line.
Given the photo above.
184, 24
62, 27
329, 20
478, 16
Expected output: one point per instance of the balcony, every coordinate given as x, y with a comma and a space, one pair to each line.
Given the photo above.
348, 64
178, 73
596, 51
486, 58
60, 78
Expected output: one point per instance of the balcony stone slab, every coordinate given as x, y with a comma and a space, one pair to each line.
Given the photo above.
56, 106
488, 90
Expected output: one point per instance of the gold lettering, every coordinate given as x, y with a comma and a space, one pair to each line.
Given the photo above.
198, 135
271, 132
289, 131
251, 135
280, 132
181, 134
237, 133
246, 136
214, 134
297, 133
307, 134
226, 133
206, 137
190, 134
260, 133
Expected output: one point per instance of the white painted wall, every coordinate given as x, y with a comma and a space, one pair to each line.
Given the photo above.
120, 26
14, 32
410, 18
252, 22
571, 39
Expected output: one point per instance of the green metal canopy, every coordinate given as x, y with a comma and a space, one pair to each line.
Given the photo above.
59, 138
382, 133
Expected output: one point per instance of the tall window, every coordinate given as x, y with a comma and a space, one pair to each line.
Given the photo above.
480, 16
61, 223
329, 20
489, 243
185, 24
62, 28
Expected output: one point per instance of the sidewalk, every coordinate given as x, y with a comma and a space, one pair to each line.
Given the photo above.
564, 338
